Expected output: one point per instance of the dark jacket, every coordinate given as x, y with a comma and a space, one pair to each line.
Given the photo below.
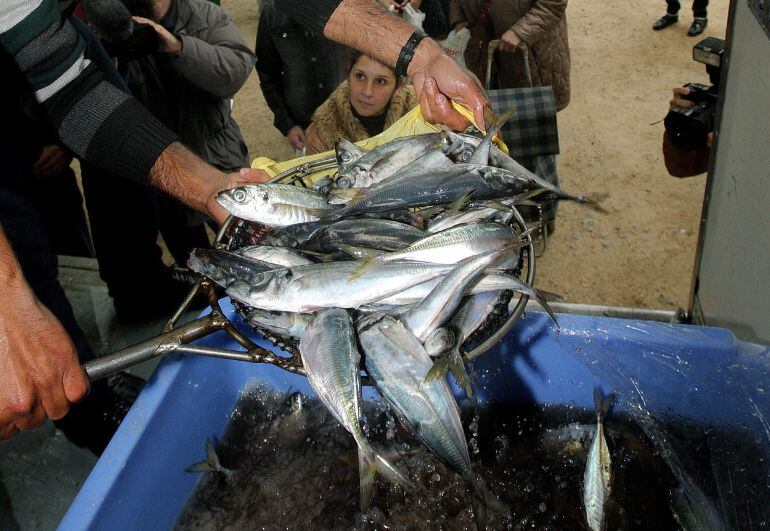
298, 69
542, 24
192, 94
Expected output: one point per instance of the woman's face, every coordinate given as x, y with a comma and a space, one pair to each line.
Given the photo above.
371, 86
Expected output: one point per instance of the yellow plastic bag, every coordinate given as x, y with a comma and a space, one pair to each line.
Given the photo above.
412, 123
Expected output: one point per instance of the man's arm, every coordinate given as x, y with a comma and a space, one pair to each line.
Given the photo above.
366, 26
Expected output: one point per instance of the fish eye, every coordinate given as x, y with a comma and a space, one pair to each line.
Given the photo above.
344, 182
239, 195
346, 157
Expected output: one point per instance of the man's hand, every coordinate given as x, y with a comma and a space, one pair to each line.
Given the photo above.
438, 79
509, 41
51, 162
167, 42
243, 177
40, 375
296, 137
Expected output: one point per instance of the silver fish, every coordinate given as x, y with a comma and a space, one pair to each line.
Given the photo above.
332, 361
224, 267
397, 363
456, 243
381, 234
275, 204
443, 300
279, 256
284, 324
597, 480
329, 285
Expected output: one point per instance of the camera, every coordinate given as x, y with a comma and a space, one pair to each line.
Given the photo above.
689, 128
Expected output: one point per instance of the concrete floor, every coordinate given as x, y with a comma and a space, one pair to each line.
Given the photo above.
41, 471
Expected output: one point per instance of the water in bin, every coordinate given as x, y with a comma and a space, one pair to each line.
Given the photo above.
681, 467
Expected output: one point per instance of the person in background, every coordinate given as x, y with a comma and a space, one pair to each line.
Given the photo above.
542, 25
298, 69
187, 81
699, 22
371, 99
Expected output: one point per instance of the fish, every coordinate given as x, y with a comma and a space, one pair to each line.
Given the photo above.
383, 234
275, 204
693, 510
329, 285
456, 243
224, 267
439, 341
332, 362
276, 255
438, 306
211, 463
397, 362
597, 480
284, 324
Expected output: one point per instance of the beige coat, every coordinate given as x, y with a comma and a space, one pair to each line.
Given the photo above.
542, 24
334, 118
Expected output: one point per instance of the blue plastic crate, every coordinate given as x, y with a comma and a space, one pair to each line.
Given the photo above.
696, 375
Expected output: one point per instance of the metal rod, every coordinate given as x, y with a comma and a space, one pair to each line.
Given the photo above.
166, 343
646, 314
215, 352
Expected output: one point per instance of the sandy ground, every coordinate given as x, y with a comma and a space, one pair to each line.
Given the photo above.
642, 253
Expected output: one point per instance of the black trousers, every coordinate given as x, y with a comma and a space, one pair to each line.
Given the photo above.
699, 8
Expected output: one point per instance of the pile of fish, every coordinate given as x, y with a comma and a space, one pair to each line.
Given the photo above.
390, 267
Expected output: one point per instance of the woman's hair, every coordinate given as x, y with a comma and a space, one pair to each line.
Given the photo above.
356, 55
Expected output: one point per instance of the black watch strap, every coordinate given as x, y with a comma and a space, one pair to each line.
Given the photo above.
407, 53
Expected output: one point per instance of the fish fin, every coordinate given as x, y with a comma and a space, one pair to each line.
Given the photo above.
489, 116
497, 205
389, 472
360, 253
461, 202
322, 213
365, 265
602, 405
366, 469
200, 466
439, 369
483, 502
344, 195
542, 297
521, 198
593, 200
457, 368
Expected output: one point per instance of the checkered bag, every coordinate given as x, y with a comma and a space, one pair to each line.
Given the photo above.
531, 131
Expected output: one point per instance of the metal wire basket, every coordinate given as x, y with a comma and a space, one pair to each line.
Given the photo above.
236, 233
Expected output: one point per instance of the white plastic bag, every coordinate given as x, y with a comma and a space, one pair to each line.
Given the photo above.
413, 16
455, 43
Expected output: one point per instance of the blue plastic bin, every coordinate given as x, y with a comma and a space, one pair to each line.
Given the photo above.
694, 375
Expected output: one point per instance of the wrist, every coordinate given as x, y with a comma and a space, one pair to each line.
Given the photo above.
426, 53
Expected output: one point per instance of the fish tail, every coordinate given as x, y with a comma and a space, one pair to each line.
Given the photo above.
457, 367
439, 369
602, 405
200, 466
367, 466
484, 501
369, 463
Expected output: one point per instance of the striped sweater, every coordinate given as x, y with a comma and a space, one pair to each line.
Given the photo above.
98, 122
